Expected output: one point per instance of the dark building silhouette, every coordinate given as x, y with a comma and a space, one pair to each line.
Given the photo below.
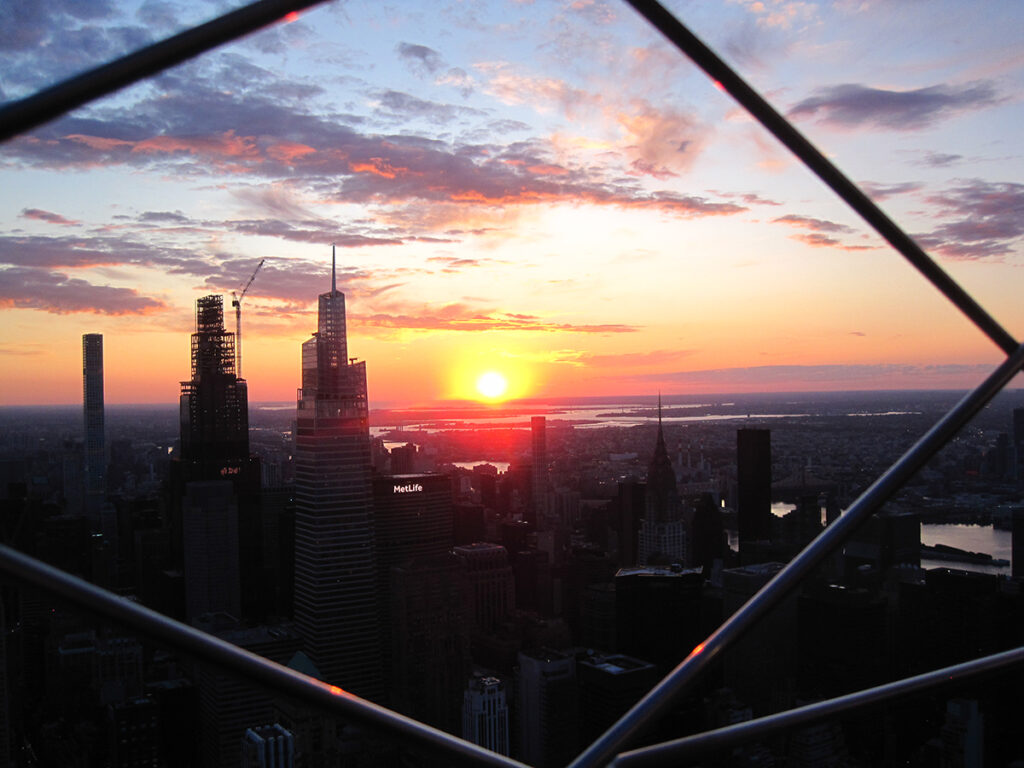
1018, 442
597, 616
548, 708
214, 402
1017, 543
532, 568
662, 537
133, 731
538, 471
335, 594
490, 582
95, 438
629, 508
210, 523
429, 640
886, 540
609, 685
469, 523
412, 517
658, 613
709, 538
403, 459
843, 640
214, 419
229, 705
754, 485
764, 661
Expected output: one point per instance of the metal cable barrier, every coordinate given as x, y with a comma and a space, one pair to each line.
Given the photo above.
698, 745
654, 704
632, 724
53, 102
245, 664
50, 103
797, 143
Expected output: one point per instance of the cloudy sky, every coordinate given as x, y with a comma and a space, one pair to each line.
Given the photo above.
542, 188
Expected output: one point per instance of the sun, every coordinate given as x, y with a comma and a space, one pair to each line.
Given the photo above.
491, 385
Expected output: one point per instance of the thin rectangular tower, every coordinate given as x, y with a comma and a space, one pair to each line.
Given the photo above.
754, 484
92, 398
336, 608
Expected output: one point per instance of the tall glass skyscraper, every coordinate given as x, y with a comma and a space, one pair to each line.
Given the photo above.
336, 607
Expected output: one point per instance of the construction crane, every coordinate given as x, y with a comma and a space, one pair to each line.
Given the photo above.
236, 302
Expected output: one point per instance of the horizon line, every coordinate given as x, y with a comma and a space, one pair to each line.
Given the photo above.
554, 399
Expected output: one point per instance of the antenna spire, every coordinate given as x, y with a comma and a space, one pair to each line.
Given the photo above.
334, 283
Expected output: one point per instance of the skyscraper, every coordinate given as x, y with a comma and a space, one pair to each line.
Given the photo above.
548, 707
662, 536
485, 714
754, 485
336, 607
214, 402
214, 417
429, 638
490, 584
92, 397
539, 470
210, 524
412, 519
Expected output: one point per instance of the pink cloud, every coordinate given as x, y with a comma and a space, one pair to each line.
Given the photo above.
288, 152
48, 217
459, 317
98, 142
547, 170
226, 144
818, 240
661, 142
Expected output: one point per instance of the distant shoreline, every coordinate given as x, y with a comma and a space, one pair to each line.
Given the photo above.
532, 402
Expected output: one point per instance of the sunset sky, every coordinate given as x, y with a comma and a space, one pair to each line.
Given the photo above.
543, 189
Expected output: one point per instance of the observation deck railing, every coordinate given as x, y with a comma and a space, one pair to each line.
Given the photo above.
611, 748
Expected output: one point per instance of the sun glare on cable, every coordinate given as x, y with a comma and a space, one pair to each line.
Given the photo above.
492, 385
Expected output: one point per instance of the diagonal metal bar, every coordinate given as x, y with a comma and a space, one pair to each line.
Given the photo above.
684, 750
245, 664
20, 116
630, 726
783, 130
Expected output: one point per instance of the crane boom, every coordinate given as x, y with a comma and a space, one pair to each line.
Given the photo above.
236, 302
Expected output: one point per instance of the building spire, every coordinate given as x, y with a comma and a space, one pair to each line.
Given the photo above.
659, 446
334, 283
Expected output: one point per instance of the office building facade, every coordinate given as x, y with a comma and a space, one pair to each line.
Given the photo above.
335, 598
485, 714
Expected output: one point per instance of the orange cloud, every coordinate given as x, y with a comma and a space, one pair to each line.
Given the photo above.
98, 142
547, 170
288, 152
458, 317
378, 166
226, 144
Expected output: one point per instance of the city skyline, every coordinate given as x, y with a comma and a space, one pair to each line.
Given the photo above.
548, 191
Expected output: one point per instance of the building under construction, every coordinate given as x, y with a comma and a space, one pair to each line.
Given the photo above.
215, 402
